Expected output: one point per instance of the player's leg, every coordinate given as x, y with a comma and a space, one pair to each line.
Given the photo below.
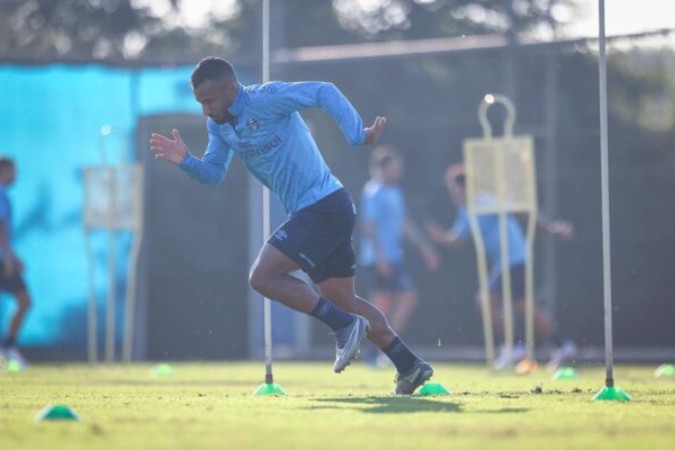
341, 292
270, 276
506, 357
383, 300
379, 293
412, 370
23, 300
406, 303
23, 305
405, 300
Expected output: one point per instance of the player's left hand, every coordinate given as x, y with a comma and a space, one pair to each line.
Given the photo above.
374, 131
431, 260
436, 233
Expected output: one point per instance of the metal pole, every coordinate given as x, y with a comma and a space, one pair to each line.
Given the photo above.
92, 316
604, 167
267, 307
110, 332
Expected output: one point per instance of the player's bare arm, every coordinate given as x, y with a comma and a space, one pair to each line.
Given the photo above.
169, 150
444, 237
431, 259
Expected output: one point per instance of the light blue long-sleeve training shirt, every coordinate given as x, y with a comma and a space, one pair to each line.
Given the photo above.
384, 206
489, 230
274, 143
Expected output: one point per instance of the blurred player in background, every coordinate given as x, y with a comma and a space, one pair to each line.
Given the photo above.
384, 226
262, 125
11, 279
460, 233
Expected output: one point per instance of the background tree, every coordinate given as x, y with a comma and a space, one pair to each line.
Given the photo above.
118, 30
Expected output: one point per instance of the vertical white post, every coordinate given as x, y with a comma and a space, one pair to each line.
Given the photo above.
267, 307
112, 269
92, 316
604, 167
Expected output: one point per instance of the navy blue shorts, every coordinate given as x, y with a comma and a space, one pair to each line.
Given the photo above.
399, 280
517, 282
319, 238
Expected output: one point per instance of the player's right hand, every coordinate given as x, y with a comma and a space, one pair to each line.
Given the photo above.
170, 150
374, 131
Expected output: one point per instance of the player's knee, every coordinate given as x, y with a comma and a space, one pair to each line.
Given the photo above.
24, 302
258, 280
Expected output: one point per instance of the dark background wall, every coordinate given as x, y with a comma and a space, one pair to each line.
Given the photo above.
194, 261
195, 310
429, 118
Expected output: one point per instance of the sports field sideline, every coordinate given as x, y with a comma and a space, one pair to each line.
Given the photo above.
208, 405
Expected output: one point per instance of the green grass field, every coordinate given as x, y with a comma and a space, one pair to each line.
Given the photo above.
204, 406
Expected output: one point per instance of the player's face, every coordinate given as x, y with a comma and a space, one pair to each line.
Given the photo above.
393, 172
216, 97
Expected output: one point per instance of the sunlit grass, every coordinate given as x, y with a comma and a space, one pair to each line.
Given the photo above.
203, 406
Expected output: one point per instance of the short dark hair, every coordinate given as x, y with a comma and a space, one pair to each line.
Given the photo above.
6, 163
212, 68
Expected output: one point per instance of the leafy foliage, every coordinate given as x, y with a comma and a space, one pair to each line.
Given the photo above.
139, 30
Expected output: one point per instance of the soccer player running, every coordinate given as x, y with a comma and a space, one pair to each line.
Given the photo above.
262, 125
11, 279
384, 226
455, 180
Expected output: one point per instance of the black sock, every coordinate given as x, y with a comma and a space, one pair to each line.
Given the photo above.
331, 315
400, 355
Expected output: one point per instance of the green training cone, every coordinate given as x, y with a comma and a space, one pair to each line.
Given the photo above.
433, 390
13, 366
664, 370
163, 370
612, 393
58, 412
565, 373
267, 389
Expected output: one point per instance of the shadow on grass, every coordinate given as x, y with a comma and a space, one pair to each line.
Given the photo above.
388, 405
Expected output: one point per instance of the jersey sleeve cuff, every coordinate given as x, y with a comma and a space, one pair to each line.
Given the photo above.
187, 162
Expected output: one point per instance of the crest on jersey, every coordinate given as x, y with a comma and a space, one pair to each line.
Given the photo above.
252, 124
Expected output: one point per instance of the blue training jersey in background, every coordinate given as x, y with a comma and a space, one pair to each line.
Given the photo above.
383, 206
5, 215
275, 144
489, 230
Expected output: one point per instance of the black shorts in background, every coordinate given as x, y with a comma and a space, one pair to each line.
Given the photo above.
399, 281
319, 238
13, 284
517, 282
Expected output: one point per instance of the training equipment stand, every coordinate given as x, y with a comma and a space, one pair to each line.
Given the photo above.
501, 180
113, 202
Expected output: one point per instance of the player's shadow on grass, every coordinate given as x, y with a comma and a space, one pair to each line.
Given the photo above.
389, 405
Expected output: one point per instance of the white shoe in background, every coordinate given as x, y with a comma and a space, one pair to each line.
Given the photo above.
562, 355
506, 359
13, 354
